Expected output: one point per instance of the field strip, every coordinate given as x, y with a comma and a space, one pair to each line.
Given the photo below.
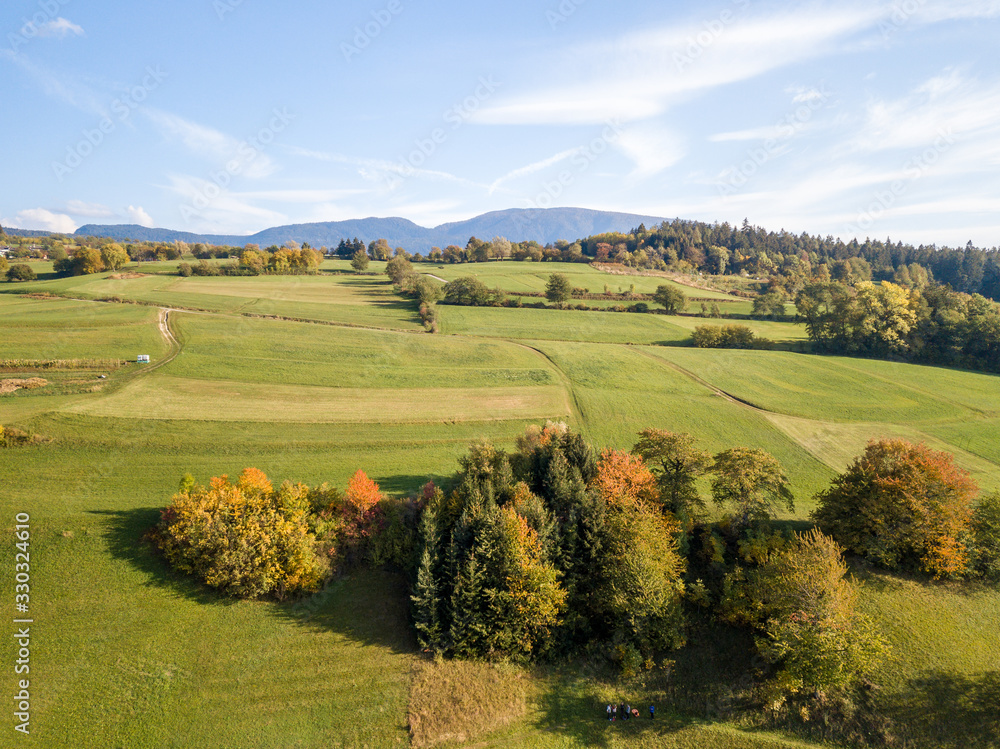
936, 395
836, 444
237, 313
704, 383
167, 397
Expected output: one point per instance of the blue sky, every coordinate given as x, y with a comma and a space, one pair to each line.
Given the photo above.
229, 116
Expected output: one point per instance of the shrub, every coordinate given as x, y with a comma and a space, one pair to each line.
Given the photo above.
470, 291
20, 272
184, 269
727, 336
901, 505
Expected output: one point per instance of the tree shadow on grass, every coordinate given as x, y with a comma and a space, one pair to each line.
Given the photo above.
409, 484
369, 607
949, 711
125, 531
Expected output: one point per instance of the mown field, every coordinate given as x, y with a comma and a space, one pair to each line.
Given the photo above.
126, 653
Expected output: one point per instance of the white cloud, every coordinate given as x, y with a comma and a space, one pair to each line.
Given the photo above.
88, 210
389, 174
58, 27
218, 147
137, 215
641, 75
57, 85
652, 149
300, 196
43, 220
949, 105
936, 11
204, 208
533, 167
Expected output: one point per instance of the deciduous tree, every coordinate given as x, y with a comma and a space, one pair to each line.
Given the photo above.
900, 504
670, 298
752, 483
677, 464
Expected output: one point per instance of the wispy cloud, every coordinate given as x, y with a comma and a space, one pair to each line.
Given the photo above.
58, 27
88, 210
643, 78
65, 88
534, 167
387, 173
213, 145
226, 213
651, 148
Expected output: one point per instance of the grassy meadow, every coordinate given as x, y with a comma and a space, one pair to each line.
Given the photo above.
127, 653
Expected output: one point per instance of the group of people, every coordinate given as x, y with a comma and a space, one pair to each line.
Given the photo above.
626, 711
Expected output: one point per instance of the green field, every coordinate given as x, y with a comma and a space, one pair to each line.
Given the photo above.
129, 654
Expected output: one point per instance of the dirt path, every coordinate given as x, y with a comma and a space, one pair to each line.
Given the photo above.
436, 278
163, 323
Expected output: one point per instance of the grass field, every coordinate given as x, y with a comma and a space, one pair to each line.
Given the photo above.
129, 654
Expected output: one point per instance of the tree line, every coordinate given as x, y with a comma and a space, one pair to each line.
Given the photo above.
931, 324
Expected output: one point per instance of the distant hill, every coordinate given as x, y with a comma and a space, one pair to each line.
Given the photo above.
516, 224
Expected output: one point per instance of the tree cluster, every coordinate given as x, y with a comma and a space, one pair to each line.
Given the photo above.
932, 324
249, 539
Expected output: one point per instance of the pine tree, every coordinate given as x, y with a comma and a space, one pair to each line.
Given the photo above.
468, 632
425, 598
425, 606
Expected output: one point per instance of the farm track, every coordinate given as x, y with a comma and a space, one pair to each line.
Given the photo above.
574, 407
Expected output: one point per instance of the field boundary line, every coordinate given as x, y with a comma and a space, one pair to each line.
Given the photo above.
574, 407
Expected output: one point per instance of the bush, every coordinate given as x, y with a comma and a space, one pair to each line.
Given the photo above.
900, 505
20, 272
470, 291
184, 269
727, 336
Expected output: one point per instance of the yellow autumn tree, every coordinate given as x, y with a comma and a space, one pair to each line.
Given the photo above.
244, 538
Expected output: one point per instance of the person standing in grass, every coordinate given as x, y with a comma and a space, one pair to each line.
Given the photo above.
609, 712
614, 712
652, 711
628, 711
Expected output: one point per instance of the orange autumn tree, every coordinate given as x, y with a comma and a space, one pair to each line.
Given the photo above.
362, 494
623, 480
901, 505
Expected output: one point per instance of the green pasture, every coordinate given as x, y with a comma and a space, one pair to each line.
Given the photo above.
227, 347
130, 654
513, 276
69, 329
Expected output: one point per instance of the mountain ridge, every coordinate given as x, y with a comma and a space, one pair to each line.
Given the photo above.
544, 225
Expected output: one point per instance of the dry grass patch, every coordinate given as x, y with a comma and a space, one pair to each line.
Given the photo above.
168, 397
457, 701
32, 383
